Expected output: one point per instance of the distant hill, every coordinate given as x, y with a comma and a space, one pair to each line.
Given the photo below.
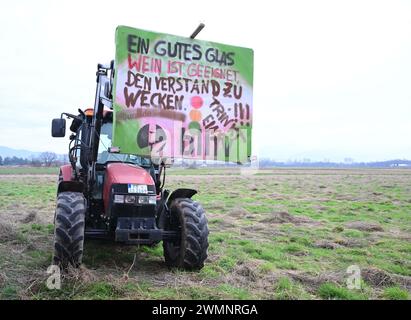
20, 153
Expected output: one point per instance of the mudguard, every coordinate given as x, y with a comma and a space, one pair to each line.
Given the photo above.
66, 183
66, 173
180, 193
74, 186
162, 209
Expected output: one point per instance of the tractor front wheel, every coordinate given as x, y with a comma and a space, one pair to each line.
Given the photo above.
187, 218
69, 229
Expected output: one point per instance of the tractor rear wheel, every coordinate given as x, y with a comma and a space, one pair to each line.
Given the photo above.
189, 251
69, 229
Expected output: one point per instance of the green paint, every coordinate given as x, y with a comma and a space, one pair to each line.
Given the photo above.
220, 74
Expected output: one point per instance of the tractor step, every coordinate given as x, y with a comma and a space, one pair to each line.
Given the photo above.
96, 234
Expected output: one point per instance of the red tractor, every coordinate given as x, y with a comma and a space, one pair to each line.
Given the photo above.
105, 194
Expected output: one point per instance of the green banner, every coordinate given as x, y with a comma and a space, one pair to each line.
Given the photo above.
176, 97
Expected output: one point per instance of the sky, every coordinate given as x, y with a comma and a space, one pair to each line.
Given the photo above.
332, 79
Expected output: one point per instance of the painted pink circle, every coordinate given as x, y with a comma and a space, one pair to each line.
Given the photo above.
197, 102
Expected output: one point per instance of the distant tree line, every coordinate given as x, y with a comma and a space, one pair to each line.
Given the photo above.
303, 163
348, 163
45, 159
49, 159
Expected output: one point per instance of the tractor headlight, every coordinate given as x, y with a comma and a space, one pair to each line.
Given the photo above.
142, 200
118, 198
147, 200
152, 200
129, 199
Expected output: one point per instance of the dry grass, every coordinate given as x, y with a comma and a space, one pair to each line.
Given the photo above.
280, 234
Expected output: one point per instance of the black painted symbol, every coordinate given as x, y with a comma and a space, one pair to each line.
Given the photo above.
150, 135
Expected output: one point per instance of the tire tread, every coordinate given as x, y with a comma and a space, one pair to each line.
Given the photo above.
69, 229
194, 237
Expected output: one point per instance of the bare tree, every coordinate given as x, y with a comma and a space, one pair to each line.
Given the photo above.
48, 158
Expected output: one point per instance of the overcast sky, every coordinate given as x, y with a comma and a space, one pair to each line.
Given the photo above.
332, 79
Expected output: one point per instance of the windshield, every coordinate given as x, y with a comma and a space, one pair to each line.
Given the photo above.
105, 143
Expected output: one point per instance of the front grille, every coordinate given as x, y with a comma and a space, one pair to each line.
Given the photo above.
131, 209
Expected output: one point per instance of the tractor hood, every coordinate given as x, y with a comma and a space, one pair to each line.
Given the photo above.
127, 173
123, 173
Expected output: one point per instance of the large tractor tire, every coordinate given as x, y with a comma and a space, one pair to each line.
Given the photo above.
188, 219
69, 229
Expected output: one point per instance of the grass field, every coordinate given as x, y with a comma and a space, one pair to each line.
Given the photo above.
279, 234
28, 170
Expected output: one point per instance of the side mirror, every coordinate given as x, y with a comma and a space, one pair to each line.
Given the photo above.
58, 128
